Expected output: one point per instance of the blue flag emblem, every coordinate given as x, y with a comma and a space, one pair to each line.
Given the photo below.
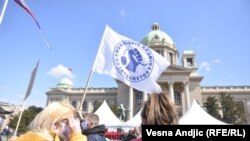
133, 60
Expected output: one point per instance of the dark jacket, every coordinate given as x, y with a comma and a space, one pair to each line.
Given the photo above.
96, 133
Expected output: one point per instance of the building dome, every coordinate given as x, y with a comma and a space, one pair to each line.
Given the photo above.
157, 37
65, 83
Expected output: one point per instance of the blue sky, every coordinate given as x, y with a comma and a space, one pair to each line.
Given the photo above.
218, 31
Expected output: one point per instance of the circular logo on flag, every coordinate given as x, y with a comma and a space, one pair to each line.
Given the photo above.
133, 60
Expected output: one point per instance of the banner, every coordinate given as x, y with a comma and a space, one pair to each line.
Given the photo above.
129, 61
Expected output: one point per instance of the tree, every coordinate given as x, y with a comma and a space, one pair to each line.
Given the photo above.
212, 107
114, 109
232, 111
28, 115
96, 105
241, 113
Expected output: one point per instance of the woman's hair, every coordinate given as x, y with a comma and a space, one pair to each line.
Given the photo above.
159, 110
53, 113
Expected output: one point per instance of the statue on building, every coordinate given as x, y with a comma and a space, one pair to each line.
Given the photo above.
121, 112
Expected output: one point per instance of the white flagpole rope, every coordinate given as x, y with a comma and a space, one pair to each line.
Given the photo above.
46, 40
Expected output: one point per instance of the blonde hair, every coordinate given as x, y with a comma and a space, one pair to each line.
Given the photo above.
159, 110
52, 114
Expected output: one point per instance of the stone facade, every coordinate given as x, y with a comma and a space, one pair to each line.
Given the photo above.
8, 110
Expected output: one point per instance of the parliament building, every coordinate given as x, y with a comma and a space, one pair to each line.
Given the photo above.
180, 81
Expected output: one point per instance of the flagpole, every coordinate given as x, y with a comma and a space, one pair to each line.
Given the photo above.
85, 91
19, 119
90, 75
32, 78
3, 11
26, 8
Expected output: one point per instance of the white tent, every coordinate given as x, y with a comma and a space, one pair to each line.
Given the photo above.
135, 121
107, 117
196, 115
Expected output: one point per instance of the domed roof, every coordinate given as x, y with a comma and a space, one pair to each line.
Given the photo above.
65, 83
156, 36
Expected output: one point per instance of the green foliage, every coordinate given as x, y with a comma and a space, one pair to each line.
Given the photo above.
96, 105
233, 111
28, 115
212, 107
241, 113
114, 109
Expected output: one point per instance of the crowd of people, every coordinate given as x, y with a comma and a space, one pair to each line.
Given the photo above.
59, 121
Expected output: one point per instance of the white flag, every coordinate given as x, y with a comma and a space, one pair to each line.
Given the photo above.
32, 79
129, 61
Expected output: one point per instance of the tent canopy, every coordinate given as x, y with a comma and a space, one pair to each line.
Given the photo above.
196, 115
135, 121
106, 116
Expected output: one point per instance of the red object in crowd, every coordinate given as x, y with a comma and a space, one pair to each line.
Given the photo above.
113, 135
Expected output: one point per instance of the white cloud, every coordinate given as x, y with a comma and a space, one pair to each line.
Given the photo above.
205, 65
60, 71
122, 13
217, 61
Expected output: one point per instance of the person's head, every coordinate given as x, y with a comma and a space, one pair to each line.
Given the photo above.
53, 118
121, 105
91, 120
158, 110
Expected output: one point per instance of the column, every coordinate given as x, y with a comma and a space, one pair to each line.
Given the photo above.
48, 100
171, 89
66, 98
145, 96
78, 102
89, 106
186, 90
183, 103
131, 103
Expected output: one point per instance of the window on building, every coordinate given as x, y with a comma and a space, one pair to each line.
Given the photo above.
84, 106
160, 52
139, 97
96, 105
115, 101
156, 37
73, 103
177, 98
171, 59
179, 112
189, 62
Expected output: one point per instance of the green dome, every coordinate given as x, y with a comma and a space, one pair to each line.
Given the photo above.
65, 83
157, 37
